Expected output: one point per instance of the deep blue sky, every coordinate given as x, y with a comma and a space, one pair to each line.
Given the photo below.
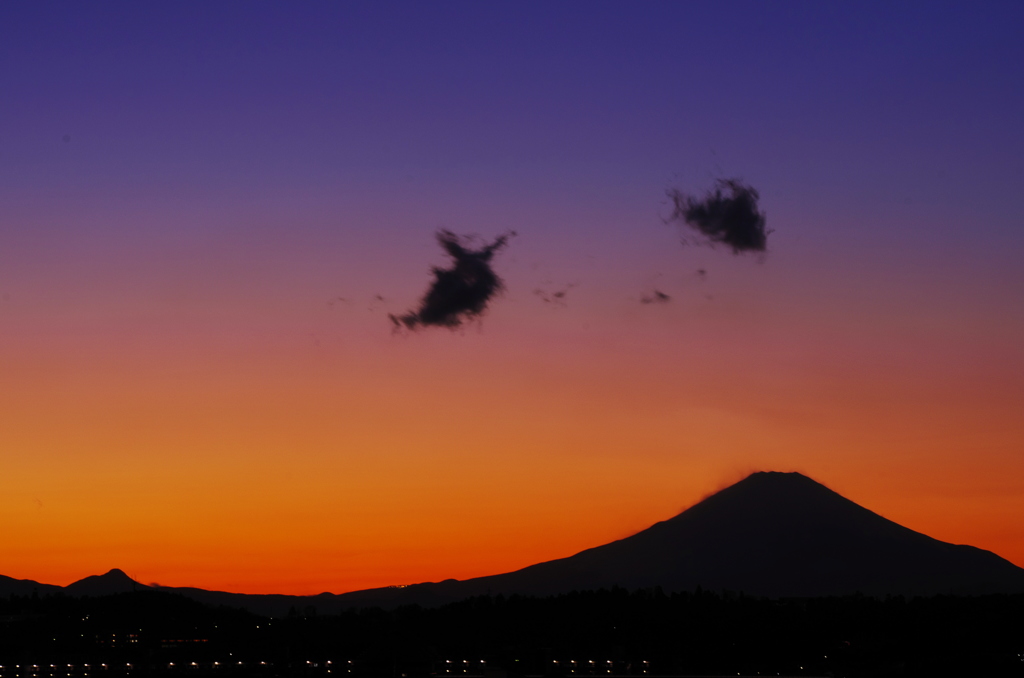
860, 99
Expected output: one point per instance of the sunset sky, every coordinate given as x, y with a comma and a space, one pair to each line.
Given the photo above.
208, 210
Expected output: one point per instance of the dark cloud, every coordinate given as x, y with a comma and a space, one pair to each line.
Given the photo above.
458, 293
732, 219
655, 297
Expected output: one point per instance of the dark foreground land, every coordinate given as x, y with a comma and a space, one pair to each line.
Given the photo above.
602, 633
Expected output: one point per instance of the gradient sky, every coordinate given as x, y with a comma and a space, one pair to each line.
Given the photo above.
201, 202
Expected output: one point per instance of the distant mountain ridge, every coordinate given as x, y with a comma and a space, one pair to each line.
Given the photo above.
771, 534
26, 587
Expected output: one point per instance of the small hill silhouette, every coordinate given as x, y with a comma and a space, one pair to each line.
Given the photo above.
114, 581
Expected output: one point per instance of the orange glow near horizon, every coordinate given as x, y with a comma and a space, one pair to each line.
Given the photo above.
285, 466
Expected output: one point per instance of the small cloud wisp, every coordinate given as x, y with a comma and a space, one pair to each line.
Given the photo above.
656, 297
461, 292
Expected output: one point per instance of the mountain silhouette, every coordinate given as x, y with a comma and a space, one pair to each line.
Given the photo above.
771, 534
